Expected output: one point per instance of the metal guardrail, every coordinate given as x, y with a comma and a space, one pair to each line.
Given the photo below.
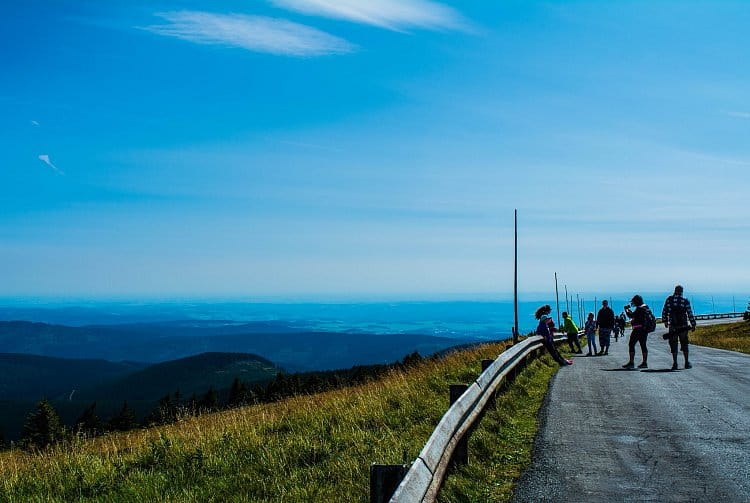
424, 478
718, 316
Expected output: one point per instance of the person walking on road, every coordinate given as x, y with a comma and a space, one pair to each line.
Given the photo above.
605, 320
621, 321
678, 317
546, 328
639, 332
571, 330
590, 329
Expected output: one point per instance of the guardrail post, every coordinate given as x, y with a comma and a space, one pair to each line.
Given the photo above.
461, 453
491, 400
384, 479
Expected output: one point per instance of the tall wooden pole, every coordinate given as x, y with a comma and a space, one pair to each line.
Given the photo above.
515, 276
557, 296
567, 304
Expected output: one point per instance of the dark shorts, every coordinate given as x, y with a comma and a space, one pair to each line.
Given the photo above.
680, 335
604, 334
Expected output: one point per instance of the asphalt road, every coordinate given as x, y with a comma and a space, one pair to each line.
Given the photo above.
610, 434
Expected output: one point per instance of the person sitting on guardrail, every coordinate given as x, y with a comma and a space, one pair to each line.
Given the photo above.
605, 320
677, 316
590, 329
546, 328
571, 330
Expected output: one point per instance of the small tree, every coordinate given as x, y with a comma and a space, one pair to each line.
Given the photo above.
123, 420
88, 423
43, 427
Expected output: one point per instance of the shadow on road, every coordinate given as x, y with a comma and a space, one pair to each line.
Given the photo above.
659, 370
620, 369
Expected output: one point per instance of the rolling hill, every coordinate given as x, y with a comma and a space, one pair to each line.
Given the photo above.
28, 377
194, 374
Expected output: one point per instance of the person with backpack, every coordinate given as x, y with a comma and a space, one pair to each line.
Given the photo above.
546, 328
605, 320
643, 323
571, 330
590, 329
677, 316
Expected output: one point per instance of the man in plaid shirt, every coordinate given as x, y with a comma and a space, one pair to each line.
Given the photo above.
677, 316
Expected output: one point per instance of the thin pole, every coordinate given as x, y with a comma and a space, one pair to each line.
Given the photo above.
567, 305
557, 296
515, 275
578, 301
734, 308
713, 307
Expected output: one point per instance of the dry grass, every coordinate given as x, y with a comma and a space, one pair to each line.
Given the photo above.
731, 336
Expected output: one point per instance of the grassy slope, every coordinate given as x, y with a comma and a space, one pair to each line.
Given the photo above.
312, 448
731, 336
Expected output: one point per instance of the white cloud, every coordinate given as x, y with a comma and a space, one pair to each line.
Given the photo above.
254, 33
741, 115
390, 14
45, 159
35, 123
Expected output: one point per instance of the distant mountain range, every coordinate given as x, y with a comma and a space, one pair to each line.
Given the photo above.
163, 341
74, 366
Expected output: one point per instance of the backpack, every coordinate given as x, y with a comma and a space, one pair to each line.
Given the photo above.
649, 321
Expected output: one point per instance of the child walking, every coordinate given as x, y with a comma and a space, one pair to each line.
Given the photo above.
571, 330
590, 329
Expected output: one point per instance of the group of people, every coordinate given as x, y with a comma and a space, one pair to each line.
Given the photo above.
677, 316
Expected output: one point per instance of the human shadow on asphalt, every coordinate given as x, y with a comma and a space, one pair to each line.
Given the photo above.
620, 369
659, 370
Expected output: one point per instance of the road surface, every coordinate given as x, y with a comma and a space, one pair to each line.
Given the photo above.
609, 434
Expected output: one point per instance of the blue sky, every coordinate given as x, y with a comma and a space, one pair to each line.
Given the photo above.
302, 148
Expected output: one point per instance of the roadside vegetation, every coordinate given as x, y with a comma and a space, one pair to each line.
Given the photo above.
731, 336
314, 447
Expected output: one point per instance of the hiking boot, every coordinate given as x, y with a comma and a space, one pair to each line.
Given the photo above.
588, 354
688, 366
629, 365
643, 366
674, 366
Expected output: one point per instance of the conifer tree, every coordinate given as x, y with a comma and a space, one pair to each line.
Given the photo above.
209, 401
238, 394
123, 420
43, 427
88, 423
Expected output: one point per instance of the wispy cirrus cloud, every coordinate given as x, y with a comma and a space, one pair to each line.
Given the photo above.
253, 33
395, 15
736, 113
45, 159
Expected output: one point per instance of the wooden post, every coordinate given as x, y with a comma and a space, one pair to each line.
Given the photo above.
557, 296
461, 454
485, 365
384, 480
